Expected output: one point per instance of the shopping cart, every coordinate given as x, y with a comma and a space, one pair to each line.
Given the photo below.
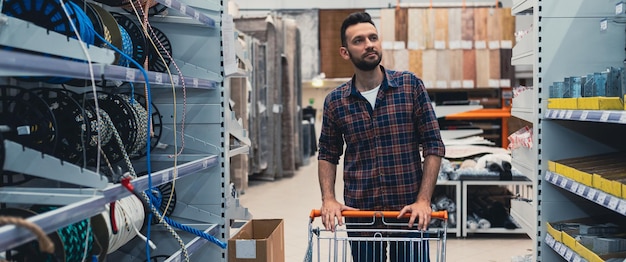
377, 237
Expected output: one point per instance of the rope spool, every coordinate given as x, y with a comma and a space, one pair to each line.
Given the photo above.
136, 34
127, 47
31, 251
129, 214
156, 120
154, 61
141, 117
112, 31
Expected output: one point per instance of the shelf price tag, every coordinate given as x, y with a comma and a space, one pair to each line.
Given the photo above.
196, 15
577, 259
159, 79
581, 190
569, 254
591, 193
584, 115
622, 207
613, 203
168, 3
562, 250
619, 8
130, 75
563, 182
548, 176
622, 118
183, 8
605, 116
555, 113
569, 113
562, 114
604, 24
574, 187
601, 198
195, 82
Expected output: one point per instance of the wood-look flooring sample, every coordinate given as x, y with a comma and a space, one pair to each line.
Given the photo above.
494, 68
467, 28
480, 28
415, 62
429, 67
482, 67
469, 68
455, 61
441, 28
428, 21
494, 27
416, 35
401, 59
443, 69
454, 28
387, 30
508, 28
401, 21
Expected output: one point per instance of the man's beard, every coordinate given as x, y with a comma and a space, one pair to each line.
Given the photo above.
364, 65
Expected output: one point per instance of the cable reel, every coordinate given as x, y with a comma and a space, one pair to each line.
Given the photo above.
136, 35
154, 61
156, 121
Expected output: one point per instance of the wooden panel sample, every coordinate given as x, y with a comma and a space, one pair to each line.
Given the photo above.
480, 28
494, 28
456, 68
428, 20
454, 28
332, 64
387, 27
429, 67
388, 59
415, 62
467, 28
402, 17
482, 68
416, 35
401, 59
508, 28
441, 28
507, 71
494, 68
443, 69
469, 68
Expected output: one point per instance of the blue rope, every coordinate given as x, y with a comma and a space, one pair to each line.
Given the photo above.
127, 47
171, 222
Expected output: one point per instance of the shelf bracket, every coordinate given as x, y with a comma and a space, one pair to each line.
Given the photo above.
32, 162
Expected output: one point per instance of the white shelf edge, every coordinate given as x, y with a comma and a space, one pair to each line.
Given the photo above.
564, 251
23, 64
520, 6
445, 110
603, 116
497, 230
12, 236
526, 170
597, 196
519, 212
238, 150
523, 113
189, 11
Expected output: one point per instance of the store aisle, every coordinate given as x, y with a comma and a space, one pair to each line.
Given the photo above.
293, 198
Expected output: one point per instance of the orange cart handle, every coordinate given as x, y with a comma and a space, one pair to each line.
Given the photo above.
388, 214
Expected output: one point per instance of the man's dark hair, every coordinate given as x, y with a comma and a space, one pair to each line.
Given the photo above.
353, 19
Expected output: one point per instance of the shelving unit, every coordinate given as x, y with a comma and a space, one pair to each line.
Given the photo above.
456, 188
524, 106
561, 134
518, 185
204, 198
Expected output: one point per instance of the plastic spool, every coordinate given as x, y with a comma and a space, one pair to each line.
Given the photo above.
127, 47
154, 61
157, 125
127, 210
163, 193
111, 26
136, 35
73, 133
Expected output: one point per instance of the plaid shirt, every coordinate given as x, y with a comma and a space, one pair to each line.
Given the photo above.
382, 165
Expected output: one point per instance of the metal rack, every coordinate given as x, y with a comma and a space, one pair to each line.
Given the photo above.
589, 30
204, 194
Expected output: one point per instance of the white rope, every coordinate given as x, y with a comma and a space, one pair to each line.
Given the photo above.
129, 215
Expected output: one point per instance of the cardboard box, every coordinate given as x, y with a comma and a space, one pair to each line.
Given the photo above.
259, 240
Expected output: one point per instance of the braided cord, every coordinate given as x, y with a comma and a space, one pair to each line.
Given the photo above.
155, 212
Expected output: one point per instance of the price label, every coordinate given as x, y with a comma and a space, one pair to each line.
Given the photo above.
563, 182
557, 246
548, 176
159, 79
183, 8
622, 207
619, 8
569, 113
601, 198
555, 113
580, 190
195, 82
591, 193
605, 116
175, 80
604, 24
613, 203
550, 241
569, 254
622, 118
562, 114
577, 259
130, 74
562, 250
168, 3
196, 15
574, 187
584, 115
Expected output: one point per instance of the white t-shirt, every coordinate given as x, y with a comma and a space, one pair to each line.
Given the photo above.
370, 95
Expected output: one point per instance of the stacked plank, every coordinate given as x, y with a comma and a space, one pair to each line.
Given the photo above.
450, 47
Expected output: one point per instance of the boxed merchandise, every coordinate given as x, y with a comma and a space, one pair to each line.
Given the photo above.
259, 240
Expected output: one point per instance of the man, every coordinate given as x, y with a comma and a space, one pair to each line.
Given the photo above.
383, 116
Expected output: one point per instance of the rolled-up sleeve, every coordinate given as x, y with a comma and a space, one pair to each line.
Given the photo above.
331, 138
428, 126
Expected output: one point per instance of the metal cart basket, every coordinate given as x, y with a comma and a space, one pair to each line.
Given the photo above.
377, 237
